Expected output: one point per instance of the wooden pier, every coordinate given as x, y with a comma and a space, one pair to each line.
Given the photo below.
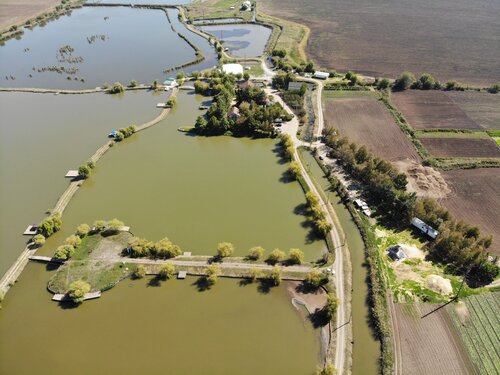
72, 173
44, 259
65, 298
181, 275
31, 230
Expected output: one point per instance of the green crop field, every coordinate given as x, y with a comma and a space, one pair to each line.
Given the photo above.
479, 327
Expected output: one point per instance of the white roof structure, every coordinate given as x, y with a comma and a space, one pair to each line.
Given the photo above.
321, 75
232, 69
427, 229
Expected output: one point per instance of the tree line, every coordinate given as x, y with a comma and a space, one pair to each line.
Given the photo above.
459, 246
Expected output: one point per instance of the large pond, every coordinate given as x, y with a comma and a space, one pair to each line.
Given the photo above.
42, 136
169, 329
198, 191
107, 44
242, 40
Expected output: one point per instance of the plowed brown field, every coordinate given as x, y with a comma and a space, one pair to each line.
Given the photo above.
452, 39
461, 147
14, 11
429, 345
475, 199
481, 107
366, 121
431, 109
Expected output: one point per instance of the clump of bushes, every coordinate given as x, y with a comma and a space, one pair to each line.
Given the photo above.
321, 225
256, 253
316, 278
38, 240
163, 249
50, 225
116, 89
167, 271
77, 291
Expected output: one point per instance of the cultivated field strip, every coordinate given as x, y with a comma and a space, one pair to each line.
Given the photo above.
429, 345
480, 331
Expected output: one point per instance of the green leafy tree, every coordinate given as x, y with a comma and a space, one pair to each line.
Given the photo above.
256, 252
328, 369
294, 170
316, 278
114, 225
295, 256
84, 171
331, 306
167, 271
213, 272
246, 76
494, 89
73, 240
276, 256
275, 275
64, 252
133, 83
383, 84
116, 89
77, 290
82, 230
322, 227
38, 240
404, 81
225, 249
99, 225
139, 272
255, 273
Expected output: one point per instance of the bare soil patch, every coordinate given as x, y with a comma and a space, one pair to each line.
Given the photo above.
483, 108
366, 121
461, 147
425, 181
15, 11
475, 199
431, 109
429, 345
452, 39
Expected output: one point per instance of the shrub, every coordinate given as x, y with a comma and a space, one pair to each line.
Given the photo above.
225, 249
494, 89
167, 271
255, 273
256, 252
38, 240
172, 101
133, 83
276, 256
113, 226
331, 306
77, 291
99, 225
383, 83
166, 249
295, 256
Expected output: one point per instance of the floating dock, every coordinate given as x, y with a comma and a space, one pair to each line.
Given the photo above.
186, 87
186, 254
31, 230
63, 297
71, 174
181, 275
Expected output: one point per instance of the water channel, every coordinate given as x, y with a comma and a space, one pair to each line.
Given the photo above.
242, 40
42, 136
111, 42
366, 348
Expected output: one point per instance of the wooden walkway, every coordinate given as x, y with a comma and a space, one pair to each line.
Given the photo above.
43, 259
64, 298
10, 277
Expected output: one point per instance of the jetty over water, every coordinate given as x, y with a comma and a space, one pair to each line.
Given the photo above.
44, 259
64, 297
